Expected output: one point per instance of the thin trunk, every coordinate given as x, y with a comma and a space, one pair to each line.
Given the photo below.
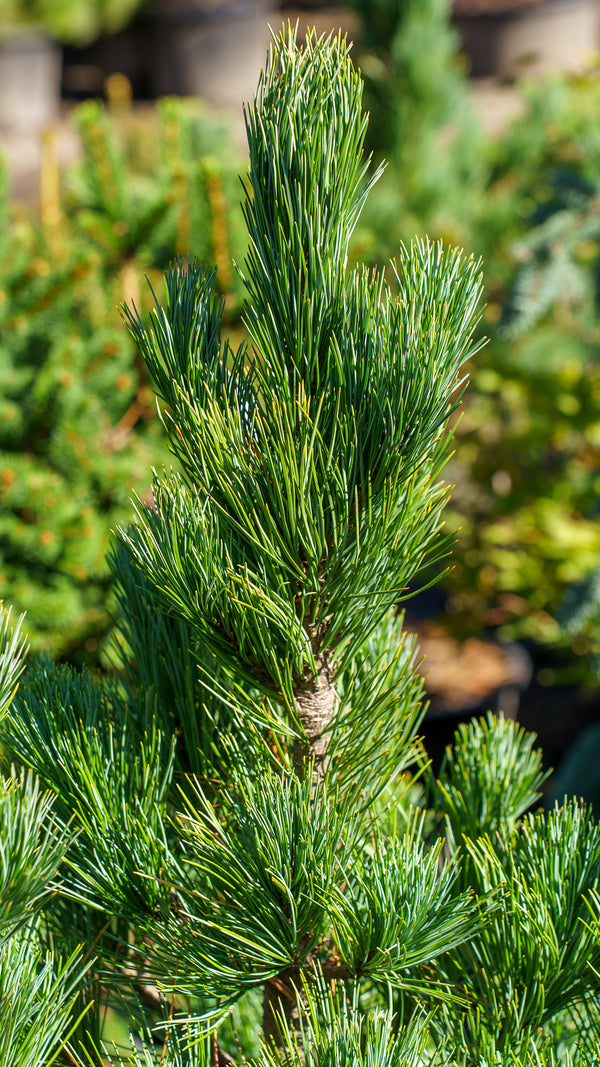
315, 707
280, 1002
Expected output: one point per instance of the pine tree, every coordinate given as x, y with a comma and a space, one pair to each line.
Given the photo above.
231, 818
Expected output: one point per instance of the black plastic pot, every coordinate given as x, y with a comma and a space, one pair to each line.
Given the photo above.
213, 52
535, 38
30, 75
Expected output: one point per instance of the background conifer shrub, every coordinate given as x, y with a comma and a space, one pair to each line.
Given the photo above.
77, 413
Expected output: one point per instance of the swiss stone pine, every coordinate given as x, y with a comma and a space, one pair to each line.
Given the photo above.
228, 827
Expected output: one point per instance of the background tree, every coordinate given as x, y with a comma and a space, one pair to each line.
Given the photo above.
78, 418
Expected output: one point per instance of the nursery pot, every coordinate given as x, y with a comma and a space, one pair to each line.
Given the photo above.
85, 70
30, 73
214, 51
512, 37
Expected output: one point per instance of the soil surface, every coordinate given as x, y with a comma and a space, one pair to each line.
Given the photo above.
466, 675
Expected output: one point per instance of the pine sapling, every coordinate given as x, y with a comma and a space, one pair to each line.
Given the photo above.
231, 819
308, 493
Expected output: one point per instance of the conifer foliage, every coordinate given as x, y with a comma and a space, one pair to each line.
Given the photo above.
226, 824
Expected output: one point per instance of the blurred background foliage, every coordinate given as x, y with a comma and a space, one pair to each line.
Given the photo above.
78, 426
527, 465
65, 20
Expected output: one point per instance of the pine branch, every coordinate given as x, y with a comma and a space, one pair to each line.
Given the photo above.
309, 497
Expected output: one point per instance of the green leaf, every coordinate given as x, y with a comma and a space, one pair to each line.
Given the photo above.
533, 957
36, 1000
373, 736
13, 648
489, 778
309, 496
400, 908
333, 1033
254, 900
74, 733
32, 845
